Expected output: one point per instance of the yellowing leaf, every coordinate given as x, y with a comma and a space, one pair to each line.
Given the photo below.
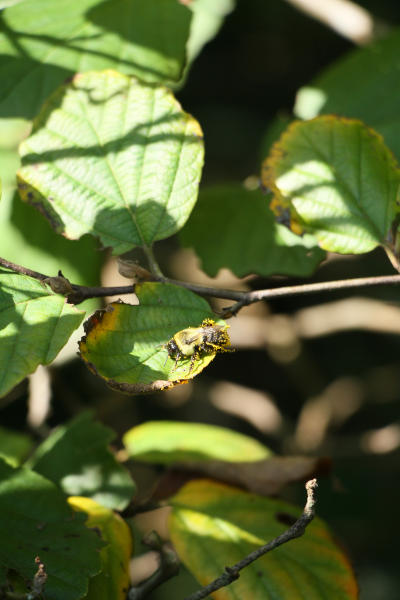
213, 525
125, 344
336, 179
113, 580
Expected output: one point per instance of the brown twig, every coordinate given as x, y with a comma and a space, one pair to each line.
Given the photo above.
22, 270
169, 567
295, 531
82, 292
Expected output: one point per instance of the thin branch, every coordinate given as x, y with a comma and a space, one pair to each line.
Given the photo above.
82, 292
295, 531
22, 270
169, 567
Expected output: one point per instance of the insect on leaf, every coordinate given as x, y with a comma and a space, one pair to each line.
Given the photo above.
126, 344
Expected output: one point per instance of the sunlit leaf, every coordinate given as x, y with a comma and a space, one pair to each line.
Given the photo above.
113, 580
124, 343
43, 42
171, 441
129, 181
336, 180
35, 324
36, 521
6, 3
208, 17
213, 525
234, 228
27, 239
76, 457
362, 85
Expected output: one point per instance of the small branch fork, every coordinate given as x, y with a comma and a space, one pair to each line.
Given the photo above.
295, 531
77, 293
169, 567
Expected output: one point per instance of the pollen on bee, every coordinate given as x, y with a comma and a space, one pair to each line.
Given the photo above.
194, 342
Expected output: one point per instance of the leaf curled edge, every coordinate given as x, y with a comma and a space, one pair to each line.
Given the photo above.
334, 177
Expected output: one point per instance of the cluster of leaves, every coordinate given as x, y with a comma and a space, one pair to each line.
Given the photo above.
111, 155
211, 524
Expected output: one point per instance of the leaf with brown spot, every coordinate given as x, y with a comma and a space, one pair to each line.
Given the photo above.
125, 344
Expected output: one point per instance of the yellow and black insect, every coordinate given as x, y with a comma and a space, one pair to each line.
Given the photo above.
192, 342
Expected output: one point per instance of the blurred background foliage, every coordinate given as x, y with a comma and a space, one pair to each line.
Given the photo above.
316, 375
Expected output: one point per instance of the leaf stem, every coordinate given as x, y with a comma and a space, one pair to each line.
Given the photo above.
82, 292
296, 530
153, 264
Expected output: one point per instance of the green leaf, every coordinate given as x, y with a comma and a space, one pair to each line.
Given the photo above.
35, 520
43, 42
208, 17
166, 442
213, 525
233, 227
14, 446
6, 3
129, 181
371, 74
337, 180
124, 343
113, 580
77, 458
35, 324
27, 239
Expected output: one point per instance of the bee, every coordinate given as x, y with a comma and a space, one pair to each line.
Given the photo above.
209, 338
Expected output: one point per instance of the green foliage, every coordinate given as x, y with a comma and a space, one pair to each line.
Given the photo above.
35, 324
14, 446
44, 42
213, 525
242, 235
113, 155
338, 181
35, 520
371, 74
124, 344
129, 181
76, 457
166, 442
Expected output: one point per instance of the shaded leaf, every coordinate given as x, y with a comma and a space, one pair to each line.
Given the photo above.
14, 446
129, 181
213, 525
43, 42
337, 180
113, 580
35, 520
77, 458
233, 227
166, 442
124, 343
265, 477
34, 326
369, 72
